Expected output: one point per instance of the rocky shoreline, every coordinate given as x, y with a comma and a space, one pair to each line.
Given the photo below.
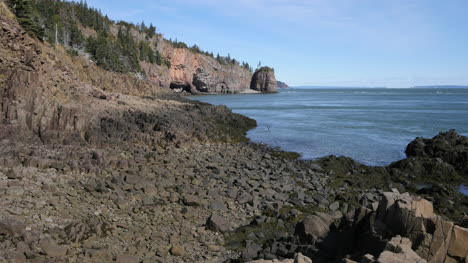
97, 166
220, 202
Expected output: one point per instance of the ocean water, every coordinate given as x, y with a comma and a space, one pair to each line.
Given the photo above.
372, 126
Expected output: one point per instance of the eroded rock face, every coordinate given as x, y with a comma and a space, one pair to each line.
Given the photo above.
48, 97
264, 80
205, 74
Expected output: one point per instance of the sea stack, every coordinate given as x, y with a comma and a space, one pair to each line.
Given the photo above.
264, 80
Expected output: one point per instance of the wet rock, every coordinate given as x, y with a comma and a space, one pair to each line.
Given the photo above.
423, 169
449, 146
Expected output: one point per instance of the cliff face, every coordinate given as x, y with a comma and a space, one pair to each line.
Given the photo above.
200, 73
47, 96
191, 72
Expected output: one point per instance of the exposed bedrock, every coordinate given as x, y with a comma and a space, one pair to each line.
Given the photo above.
264, 80
205, 74
398, 228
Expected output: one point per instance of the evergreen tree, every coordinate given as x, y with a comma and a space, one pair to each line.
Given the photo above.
24, 11
151, 31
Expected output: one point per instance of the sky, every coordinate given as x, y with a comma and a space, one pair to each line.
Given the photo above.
359, 43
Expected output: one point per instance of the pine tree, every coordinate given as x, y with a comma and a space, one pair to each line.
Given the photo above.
151, 31
24, 11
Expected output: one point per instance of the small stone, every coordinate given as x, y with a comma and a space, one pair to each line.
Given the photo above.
218, 205
126, 259
192, 200
121, 203
13, 174
15, 190
177, 251
148, 200
16, 257
334, 206
54, 250
132, 179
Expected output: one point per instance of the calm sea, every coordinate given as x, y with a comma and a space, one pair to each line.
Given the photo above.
372, 126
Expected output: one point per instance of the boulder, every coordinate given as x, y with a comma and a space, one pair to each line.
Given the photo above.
450, 147
459, 243
398, 250
425, 169
313, 227
14, 173
191, 200
299, 258
264, 80
250, 252
11, 228
218, 224
53, 250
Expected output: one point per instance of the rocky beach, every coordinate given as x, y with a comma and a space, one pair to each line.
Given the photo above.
100, 166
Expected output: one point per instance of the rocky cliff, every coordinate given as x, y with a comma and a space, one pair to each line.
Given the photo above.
264, 80
48, 96
98, 166
190, 71
199, 73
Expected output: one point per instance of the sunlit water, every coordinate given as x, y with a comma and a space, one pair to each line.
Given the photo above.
373, 126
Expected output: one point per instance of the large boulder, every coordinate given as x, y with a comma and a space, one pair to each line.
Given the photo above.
434, 239
449, 146
398, 250
264, 80
313, 227
425, 169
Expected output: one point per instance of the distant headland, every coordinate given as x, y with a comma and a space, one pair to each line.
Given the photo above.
441, 87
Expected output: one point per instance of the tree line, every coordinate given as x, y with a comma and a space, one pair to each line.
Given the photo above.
58, 22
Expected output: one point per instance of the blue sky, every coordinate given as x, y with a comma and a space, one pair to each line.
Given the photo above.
391, 43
